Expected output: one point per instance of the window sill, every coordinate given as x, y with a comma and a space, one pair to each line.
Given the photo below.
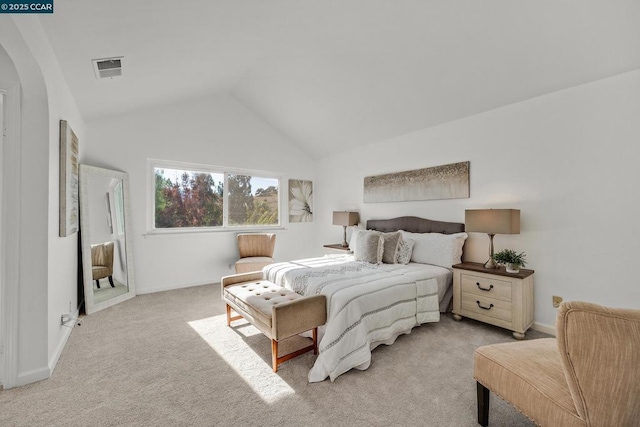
171, 232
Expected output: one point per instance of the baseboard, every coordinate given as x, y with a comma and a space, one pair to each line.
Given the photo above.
541, 327
172, 287
33, 376
53, 361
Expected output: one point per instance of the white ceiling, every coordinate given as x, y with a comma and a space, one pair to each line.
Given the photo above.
334, 74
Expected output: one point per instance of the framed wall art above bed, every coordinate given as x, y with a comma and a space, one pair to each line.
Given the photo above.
434, 183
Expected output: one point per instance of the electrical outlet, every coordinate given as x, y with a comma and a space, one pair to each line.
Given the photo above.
556, 301
70, 307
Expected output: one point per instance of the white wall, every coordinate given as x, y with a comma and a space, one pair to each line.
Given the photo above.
568, 160
48, 281
214, 131
63, 251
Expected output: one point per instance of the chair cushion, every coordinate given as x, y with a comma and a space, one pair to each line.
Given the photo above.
529, 375
245, 265
99, 272
257, 299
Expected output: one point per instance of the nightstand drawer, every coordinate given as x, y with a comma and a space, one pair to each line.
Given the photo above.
483, 306
485, 287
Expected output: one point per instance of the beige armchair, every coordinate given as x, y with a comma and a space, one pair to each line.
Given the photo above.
256, 251
102, 262
589, 376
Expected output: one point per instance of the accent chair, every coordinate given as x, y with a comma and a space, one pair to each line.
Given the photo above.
588, 376
256, 251
102, 262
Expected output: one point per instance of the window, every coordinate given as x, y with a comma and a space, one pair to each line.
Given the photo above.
202, 197
253, 200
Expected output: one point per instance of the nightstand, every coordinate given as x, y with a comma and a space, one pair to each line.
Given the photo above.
494, 296
337, 249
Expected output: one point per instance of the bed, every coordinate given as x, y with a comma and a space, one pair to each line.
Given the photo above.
368, 304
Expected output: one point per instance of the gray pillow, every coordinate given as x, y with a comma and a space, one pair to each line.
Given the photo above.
391, 245
369, 248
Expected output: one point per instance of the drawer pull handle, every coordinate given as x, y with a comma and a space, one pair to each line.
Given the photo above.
484, 289
484, 308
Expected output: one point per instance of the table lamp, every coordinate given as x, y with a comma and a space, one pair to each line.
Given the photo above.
492, 222
345, 219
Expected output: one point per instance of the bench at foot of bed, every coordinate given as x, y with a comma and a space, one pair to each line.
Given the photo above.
277, 312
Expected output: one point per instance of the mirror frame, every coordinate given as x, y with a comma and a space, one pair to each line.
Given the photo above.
87, 276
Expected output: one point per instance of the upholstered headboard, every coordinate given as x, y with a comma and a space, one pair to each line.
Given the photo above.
414, 224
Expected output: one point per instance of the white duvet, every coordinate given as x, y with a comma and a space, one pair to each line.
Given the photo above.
367, 304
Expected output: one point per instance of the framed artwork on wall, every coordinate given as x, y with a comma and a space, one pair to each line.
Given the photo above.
439, 182
300, 200
68, 180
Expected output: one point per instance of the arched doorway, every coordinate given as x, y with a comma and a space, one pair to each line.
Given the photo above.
25, 110
9, 221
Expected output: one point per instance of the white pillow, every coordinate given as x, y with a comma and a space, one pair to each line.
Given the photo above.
439, 249
405, 249
350, 231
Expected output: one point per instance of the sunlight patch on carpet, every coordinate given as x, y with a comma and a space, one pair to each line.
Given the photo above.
253, 369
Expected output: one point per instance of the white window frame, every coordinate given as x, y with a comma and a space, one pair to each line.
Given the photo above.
152, 164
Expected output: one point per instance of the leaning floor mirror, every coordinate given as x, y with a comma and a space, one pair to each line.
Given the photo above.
107, 259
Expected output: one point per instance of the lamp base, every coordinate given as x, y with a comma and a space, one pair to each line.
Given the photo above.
344, 237
491, 264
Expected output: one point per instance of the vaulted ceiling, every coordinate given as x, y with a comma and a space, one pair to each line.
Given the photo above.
335, 74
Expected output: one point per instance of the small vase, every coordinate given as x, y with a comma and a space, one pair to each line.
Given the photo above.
513, 268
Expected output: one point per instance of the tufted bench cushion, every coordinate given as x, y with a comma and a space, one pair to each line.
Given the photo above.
278, 312
256, 299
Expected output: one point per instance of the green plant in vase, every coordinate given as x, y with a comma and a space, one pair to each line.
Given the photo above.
511, 259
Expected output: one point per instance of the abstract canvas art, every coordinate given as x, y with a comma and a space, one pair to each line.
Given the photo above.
300, 201
439, 182
68, 180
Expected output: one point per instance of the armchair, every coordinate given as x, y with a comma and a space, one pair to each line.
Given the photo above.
256, 251
588, 376
102, 262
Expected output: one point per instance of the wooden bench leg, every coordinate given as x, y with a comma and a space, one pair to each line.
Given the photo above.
275, 360
483, 405
274, 355
315, 340
229, 318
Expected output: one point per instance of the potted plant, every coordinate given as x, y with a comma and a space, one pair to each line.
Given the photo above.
511, 259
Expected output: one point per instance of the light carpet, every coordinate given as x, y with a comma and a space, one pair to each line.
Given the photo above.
168, 359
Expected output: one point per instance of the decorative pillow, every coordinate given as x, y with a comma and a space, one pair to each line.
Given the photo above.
391, 244
369, 247
405, 249
439, 249
357, 232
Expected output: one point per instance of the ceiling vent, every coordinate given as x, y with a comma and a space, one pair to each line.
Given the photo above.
107, 68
